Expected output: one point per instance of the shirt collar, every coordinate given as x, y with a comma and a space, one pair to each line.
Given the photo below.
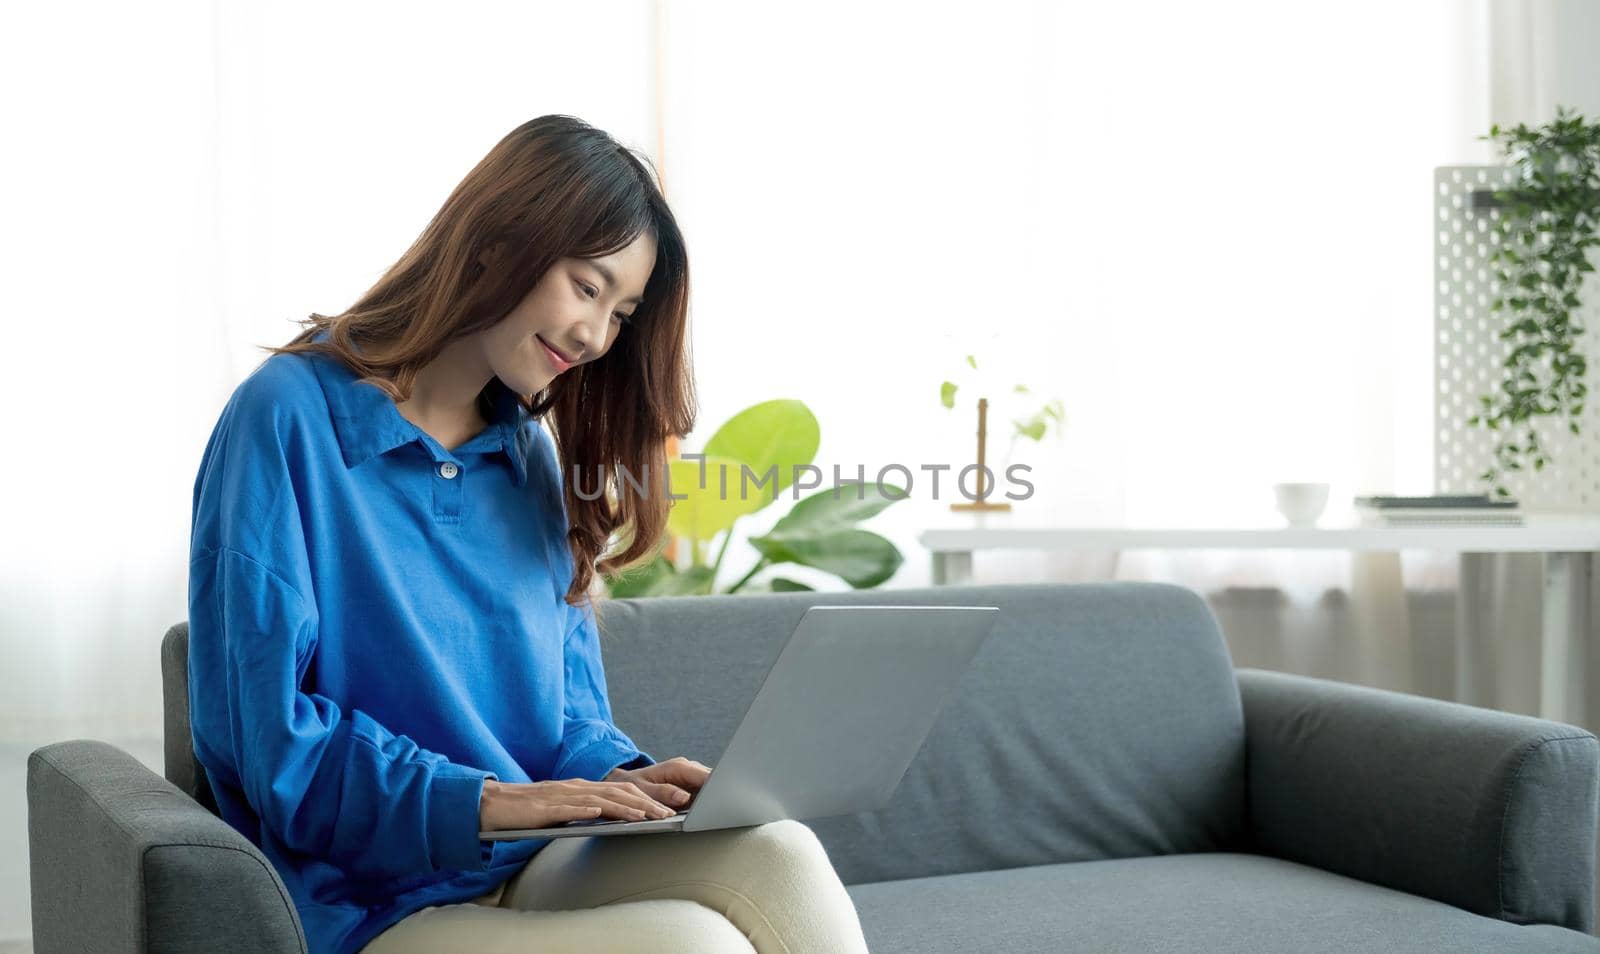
368, 424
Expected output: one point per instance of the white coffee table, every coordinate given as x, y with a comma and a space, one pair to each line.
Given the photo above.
1567, 541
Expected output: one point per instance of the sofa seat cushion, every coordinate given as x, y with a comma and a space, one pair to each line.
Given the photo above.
1187, 903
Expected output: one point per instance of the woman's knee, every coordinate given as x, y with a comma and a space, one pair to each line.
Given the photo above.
691, 928
660, 926
792, 835
792, 842
785, 894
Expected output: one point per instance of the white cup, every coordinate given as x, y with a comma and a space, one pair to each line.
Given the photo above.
1301, 504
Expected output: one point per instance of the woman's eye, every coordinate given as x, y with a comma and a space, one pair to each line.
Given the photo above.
590, 291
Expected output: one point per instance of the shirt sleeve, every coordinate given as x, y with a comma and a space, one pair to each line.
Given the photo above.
326, 782
591, 746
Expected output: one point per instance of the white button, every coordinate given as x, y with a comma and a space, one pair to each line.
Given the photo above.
448, 470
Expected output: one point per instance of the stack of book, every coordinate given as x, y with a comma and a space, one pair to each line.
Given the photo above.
1438, 510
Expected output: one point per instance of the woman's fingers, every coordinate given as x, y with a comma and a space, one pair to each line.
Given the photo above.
679, 772
632, 799
618, 805
665, 793
555, 801
570, 812
645, 795
634, 796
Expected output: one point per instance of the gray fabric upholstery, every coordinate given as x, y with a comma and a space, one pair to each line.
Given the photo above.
177, 745
1490, 811
1086, 790
1242, 904
122, 861
1098, 721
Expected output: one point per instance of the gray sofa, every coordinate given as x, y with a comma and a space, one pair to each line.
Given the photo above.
1103, 781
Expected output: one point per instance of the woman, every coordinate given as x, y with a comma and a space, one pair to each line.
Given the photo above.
391, 644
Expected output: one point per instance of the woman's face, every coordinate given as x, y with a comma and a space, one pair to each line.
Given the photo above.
577, 308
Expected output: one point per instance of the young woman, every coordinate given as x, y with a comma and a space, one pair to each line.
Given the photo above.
392, 646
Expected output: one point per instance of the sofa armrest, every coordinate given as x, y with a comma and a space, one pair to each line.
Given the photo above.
1489, 811
122, 860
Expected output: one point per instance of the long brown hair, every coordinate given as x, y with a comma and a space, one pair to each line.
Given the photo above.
553, 187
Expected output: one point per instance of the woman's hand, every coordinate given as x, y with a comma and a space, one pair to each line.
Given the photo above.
548, 804
673, 782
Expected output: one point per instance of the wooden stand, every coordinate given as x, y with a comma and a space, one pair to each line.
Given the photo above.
982, 503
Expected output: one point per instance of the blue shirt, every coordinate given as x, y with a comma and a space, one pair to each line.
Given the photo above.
376, 626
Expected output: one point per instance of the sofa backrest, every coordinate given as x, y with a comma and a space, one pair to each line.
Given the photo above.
179, 765
1100, 720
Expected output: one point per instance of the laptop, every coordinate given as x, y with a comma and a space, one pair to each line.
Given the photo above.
833, 727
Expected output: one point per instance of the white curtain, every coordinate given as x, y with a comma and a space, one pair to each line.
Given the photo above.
1542, 56
1202, 227
182, 182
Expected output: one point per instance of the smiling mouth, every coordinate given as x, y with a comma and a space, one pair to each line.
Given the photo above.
561, 361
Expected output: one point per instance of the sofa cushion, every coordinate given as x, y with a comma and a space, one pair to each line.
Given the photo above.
1180, 903
1100, 720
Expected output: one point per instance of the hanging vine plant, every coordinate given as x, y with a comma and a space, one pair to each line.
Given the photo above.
1547, 224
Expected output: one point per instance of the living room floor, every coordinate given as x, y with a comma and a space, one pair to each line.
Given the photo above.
15, 912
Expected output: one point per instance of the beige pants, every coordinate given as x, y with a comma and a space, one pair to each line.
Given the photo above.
768, 888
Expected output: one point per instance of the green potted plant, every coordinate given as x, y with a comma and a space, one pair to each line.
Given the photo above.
819, 531
1546, 225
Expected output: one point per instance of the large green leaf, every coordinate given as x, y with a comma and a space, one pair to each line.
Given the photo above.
706, 511
821, 512
781, 434
859, 557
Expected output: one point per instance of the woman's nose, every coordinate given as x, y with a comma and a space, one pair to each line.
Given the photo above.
591, 334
